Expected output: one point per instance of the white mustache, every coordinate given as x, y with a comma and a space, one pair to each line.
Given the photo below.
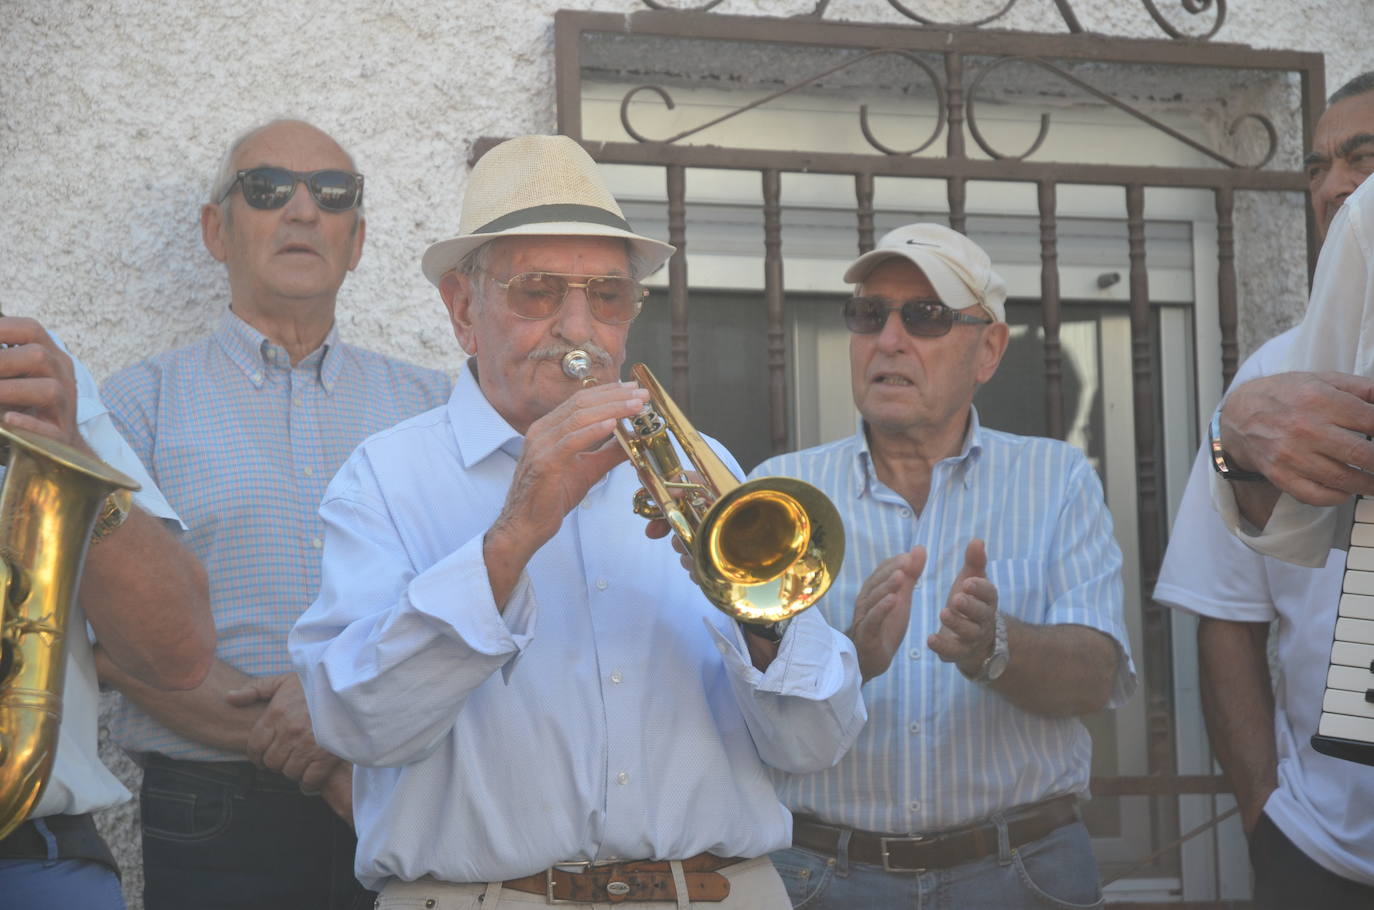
599, 355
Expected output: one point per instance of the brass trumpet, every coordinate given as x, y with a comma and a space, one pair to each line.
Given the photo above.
764, 549
49, 502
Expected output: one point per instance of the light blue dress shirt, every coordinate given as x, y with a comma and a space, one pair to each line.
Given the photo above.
243, 443
939, 750
609, 712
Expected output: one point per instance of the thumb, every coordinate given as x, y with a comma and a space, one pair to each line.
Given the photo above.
975, 560
259, 689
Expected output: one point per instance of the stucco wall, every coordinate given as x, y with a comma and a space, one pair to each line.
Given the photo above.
113, 116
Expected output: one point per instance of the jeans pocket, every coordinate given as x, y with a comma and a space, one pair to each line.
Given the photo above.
184, 816
1059, 869
805, 875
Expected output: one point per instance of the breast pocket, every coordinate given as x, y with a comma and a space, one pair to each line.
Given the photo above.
1020, 587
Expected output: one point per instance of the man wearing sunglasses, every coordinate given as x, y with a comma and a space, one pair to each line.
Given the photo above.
981, 586
541, 704
242, 430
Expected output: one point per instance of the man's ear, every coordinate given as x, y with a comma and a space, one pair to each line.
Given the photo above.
212, 227
460, 301
359, 232
991, 349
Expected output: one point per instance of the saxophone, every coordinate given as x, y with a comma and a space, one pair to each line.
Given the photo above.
50, 499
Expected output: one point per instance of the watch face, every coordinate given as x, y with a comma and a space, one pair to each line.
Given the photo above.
997, 664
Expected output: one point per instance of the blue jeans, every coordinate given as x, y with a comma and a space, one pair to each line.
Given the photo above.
1056, 871
227, 836
29, 883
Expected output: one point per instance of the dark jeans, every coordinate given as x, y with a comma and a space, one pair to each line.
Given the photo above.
1287, 879
228, 836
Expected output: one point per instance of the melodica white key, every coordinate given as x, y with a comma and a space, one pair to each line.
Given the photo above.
1346, 728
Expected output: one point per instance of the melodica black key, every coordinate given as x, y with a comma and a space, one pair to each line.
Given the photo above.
1346, 728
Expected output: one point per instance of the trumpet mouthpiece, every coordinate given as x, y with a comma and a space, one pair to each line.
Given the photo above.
577, 365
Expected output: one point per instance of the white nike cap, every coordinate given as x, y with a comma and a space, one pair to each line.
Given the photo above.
959, 269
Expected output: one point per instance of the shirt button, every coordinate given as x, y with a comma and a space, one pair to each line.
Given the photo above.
616, 677
906, 513
317, 543
297, 400
257, 377
602, 584
915, 727
308, 471
622, 778
915, 653
915, 806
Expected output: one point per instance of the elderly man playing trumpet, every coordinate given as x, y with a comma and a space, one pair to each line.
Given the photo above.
539, 702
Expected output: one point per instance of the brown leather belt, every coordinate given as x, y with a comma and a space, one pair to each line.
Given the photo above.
935, 851
640, 880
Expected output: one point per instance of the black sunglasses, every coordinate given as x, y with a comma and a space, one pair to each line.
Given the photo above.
273, 187
923, 318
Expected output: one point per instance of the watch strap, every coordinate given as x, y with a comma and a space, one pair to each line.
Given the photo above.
1221, 462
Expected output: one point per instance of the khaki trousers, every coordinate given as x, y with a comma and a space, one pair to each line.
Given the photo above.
754, 885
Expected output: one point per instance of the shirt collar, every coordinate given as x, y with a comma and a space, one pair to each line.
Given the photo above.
477, 428
254, 353
865, 478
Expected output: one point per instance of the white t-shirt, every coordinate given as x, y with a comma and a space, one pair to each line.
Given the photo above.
1324, 805
80, 782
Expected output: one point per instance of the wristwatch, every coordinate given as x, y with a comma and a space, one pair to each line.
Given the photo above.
771, 632
1221, 462
996, 663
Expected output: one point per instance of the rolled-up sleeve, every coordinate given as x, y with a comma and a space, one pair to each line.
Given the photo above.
389, 655
805, 711
1083, 583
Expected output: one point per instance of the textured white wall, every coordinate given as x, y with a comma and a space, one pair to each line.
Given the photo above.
113, 116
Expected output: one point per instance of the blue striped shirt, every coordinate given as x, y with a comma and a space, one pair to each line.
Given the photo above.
939, 750
243, 444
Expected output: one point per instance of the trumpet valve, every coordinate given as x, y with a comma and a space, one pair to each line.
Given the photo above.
647, 422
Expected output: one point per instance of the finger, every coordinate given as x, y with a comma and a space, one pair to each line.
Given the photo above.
1359, 386
916, 562
946, 647
38, 392
960, 626
260, 740
657, 528
317, 771
21, 421
978, 599
257, 690
21, 330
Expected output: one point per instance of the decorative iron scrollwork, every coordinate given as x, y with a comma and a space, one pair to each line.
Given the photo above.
864, 124
978, 137
1192, 7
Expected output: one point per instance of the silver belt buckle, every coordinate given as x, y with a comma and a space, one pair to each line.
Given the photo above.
548, 879
884, 842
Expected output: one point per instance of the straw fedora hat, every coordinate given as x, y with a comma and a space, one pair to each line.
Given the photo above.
532, 186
